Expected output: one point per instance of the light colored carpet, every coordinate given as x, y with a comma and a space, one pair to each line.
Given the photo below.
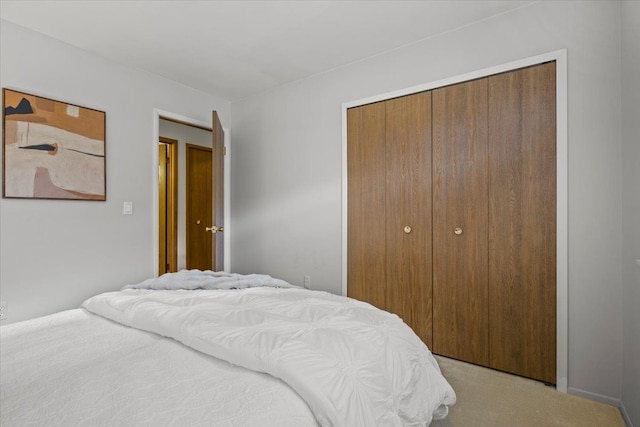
495, 399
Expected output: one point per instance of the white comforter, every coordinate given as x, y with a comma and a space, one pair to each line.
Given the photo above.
353, 364
75, 368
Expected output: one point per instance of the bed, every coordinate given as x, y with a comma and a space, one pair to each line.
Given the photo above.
203, 348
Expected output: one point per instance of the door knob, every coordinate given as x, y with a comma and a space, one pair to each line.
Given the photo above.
407, 229
214, 229
457, 231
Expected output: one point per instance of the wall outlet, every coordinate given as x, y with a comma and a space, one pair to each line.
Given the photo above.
307, 282
3, 310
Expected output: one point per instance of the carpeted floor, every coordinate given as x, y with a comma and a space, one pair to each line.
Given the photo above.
488, 398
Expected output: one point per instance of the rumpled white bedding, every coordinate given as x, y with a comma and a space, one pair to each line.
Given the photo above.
75, 368
353, 364
196, 279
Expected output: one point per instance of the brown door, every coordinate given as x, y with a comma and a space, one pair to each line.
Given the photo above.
408, 208
198, 207
366, 248
460, 222
389, 221
217, 206
162, 208
168, 205
522, 222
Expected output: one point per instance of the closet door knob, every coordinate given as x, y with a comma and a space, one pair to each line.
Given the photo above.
407, 229
457, 231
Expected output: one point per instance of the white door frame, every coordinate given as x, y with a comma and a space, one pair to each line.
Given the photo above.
562, 216
157, 114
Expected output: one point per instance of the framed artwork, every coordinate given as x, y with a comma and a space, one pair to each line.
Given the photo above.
51, 149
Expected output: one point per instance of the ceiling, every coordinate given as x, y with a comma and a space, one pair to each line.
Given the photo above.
235, 49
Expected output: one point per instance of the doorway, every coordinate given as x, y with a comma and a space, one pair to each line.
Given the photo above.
190, 133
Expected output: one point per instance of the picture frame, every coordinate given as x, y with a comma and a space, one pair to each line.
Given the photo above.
52, 149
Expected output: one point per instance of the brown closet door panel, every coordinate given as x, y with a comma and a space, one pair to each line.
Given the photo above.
522, 222
460, 185
408, 204
366, 253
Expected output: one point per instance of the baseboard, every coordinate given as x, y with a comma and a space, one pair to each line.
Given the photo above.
595, 396
625, 414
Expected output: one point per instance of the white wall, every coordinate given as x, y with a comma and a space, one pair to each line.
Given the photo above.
55, 254
286, 164
184, 135
630, 14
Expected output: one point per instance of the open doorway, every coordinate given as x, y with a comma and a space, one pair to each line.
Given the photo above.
186, 135
218, 138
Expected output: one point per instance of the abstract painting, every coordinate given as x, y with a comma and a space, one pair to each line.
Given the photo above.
51, 149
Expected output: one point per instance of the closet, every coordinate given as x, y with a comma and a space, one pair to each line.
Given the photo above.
451, 217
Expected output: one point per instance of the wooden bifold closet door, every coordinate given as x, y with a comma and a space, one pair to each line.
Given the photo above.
522, 222
389, 232
451, 217
460, 189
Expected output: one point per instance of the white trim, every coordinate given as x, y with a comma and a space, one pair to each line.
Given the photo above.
227, 200
155, 205
157, 113
562, 222
625, 414
595, 397
562, 218
345, 198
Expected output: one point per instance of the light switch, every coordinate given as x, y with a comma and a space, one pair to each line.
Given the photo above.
127, 208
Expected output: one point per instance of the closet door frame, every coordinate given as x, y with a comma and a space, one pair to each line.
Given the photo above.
562, 218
